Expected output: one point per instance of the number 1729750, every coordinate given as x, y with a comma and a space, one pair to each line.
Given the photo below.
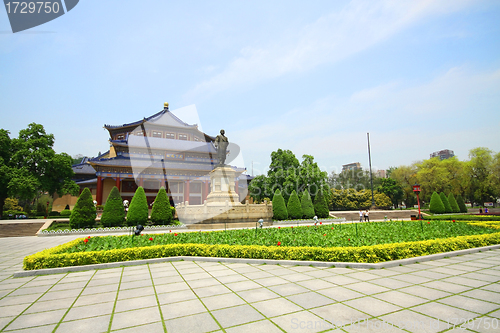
32, 7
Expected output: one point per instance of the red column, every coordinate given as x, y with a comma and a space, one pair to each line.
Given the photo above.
141, 182
99, 190
186, 190
118, 183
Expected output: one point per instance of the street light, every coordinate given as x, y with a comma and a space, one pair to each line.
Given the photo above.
416, 189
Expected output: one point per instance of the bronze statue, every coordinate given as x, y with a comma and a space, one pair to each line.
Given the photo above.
220, 144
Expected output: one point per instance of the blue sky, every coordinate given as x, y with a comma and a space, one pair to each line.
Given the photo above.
313, 77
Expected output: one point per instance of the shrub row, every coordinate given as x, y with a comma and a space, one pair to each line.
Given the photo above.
461, 218
52, 258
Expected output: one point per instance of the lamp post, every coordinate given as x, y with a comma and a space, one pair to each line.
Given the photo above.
416, 189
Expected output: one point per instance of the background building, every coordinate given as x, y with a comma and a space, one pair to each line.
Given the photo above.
443, 154
351, 166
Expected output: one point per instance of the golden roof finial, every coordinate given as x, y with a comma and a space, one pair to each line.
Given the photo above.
165, 105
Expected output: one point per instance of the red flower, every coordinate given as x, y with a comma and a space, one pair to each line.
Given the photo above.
292, 226
324, 234
279, 227
321, 223
348, 239
85, 240
170, 230
279, 243
453, 221
332, 228
308, 226
150, 238
428, 222
88, 237
175, 234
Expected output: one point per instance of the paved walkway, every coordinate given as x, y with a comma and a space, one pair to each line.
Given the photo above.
214, 297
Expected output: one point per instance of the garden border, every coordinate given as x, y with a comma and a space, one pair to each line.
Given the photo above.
380, 265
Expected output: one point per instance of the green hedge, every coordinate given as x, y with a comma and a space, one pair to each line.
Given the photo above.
279, 208
461, 217
436, 205
294, 207
51, 258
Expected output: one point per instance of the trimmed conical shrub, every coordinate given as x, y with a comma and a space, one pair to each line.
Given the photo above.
138, 209
279, 208
320, 206
113, 214
461, 204
453, 203
294, 208
161, 212
84, 212
446, 203
436, 205
307, 205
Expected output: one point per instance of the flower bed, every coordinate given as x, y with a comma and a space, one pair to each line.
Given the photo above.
371, 242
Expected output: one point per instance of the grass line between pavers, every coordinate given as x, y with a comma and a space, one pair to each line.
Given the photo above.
116, 300
72, 304
157, 300
53, 258
22, 312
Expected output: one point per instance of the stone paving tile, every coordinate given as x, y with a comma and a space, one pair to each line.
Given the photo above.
429, 293
276, 307
222, 301
258, 275
88, 311
340, 294
339, 314
391, 283
135, 303
38, 329
271, 281
466, 282
12, 310
401, 299
35, 319
431, 274
138, 284
95, 324
295, 277
412, 278
255, 295
414, 322
301, 322
149, 328
136, 317
202, 322
470, 304
372, 306
203, 283
181, 309
372, 326
446, 286
492, 287
237, 315
443, 311
170, 287
310, 300
242, 285
383, 272
362, 276
316, 284
212, 290
341, 280
484, 295
176, 296
288, 289
100, 289
132, 293
231, 278
56, 304
367, 288
258, 326
95, 299
24, 299
5, 320
321, 273
482, 277
196, 276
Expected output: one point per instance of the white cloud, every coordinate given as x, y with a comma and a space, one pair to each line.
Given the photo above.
329, 39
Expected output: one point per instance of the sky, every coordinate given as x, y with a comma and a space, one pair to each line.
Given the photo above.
313, 77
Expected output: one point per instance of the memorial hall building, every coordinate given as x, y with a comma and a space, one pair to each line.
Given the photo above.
160, 150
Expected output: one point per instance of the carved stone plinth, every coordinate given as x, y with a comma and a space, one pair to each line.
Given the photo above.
222, 186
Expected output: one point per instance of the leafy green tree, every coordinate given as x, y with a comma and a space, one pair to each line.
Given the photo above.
161, 212
279, 207
311, 178
138, 209
392, 189
29, 166
406, 176
461, 204
480, 187
258, 188
320, 206
113, 214
453, 203
307, 205
294, 208
84, 212
436, 205
446, 203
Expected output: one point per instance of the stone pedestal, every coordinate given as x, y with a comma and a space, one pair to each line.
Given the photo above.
222, 184
223, 204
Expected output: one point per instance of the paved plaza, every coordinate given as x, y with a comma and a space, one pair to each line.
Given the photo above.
458, 294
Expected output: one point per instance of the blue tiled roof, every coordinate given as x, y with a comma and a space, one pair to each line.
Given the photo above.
166, 144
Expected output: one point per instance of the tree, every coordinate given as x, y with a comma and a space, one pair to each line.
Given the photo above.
461, 204
436, 206
311, 178
320, 206
29, 166
84, 212
480, 188
446, 203
138, 209
294, 208
453, 203
406, 176
279, 208
392, 189
114, 212
258, 188
307, 205
161, 212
